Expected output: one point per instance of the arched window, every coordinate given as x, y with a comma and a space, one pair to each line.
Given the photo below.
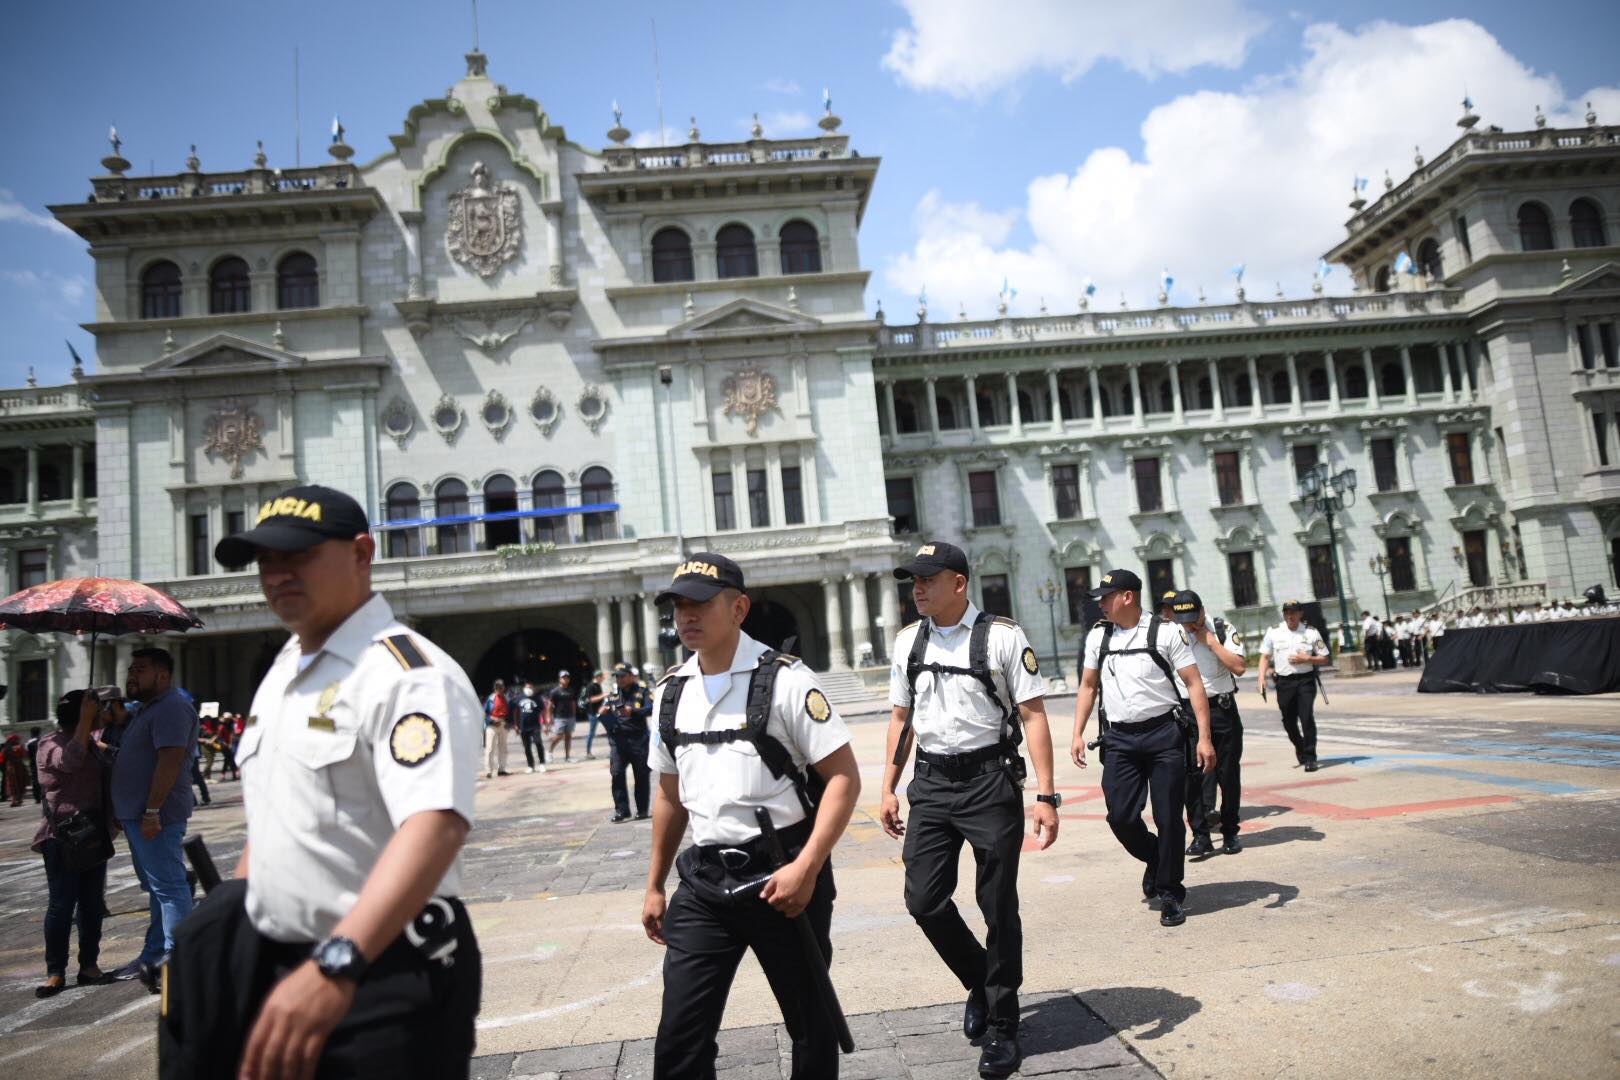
1392, 380
450, 500
1381, 280
404, 504
1026, 408
801, 248
1316, 385
228, 289
905, 416
1242, 392
1428, 259
596, 487
734, 252
160, 291
947, 413
1355, 382
1105, 396
1586, 224
1281, 392
500, 497
1206, 394
298, 282
1535, 228
672, 255
549, 494
1165, 396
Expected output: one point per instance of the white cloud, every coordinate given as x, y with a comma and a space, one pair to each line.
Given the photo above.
785, 87
648, 139
12, 211
53, 291
782, 123
969, 48
1261, 176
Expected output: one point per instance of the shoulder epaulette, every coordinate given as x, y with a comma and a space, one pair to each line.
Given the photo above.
1002, 620
786, 659
405, 651
668, 675
909, 625
1100, 623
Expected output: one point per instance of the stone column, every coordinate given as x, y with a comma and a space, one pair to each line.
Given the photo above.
78, 476
1372, 379
1406, 372
1462, 370
1216, 400
1096, 398
860, 619
889, 605
972, 385
1054, 399
1446, 384
1176, 409
650, 654
1294, 396
933, 407
554, 229
888, 407
1136, 394
33, 480
1015, 414
1333, 380
1255, 406
627, 629
837, 656
604, 634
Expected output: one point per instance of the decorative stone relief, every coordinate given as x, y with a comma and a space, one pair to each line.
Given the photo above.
593, 406
448, 417
398, 421
234, 432
750, 393
496, 414
488, 333
545, 410
485, 230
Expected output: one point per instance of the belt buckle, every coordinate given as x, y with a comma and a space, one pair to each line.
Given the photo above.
728, 854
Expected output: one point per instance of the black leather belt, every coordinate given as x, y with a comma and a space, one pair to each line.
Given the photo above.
962, 766
1142, 725
1225, 701
1296, 675
752, 854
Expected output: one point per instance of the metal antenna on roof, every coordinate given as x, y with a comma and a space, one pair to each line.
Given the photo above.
475, 24
298, 132
658, 83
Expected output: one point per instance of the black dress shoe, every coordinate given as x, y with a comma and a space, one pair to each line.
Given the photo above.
1201, 845
1000, 1057
1150, 888
1170, 912
643, 817
46, 990
1311, 766
1231, 845
975, 1015
620, 817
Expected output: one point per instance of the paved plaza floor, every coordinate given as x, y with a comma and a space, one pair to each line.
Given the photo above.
1440, 897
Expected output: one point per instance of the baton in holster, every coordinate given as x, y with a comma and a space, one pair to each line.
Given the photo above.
201, 863
814, 961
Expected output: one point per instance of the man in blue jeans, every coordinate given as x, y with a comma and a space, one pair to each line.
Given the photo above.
149, 802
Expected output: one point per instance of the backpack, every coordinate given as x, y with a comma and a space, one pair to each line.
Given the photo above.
761, 692
978, 668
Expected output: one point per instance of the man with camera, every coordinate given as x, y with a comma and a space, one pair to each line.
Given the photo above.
627, 709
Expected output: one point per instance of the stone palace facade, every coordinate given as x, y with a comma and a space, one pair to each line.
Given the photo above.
548, 369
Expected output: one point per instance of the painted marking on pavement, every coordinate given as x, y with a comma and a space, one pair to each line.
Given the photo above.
1545, 787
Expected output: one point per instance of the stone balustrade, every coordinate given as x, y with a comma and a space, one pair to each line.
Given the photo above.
752, 152
247, 182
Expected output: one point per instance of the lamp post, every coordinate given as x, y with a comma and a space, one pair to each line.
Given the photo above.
1327, 493
1047, 593
1379, 565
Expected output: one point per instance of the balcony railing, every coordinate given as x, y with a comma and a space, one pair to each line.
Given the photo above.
249, 182
723, 155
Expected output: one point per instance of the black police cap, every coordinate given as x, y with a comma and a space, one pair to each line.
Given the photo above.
295, 520
702, 576
1117, 581
1186, 606
935, 556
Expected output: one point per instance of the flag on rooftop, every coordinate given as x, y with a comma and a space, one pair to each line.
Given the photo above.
1090, 287
1323, 268
1404, 264
1237, 270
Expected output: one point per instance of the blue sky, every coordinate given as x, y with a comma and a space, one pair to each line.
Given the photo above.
1044, 141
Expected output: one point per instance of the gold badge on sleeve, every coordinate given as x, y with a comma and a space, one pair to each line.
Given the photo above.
415, 738
815, 703
1031, 665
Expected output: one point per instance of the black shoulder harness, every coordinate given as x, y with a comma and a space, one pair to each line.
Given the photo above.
761, 692
978, 667
1151, 648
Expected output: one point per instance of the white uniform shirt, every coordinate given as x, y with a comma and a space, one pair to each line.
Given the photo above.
1134, 687
335, 757
952, 714
1281, 643
1370, 626
722, 784
1217, 679
1402, 630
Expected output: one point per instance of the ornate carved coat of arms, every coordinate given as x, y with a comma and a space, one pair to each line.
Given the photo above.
750, 394
234, 432
485, 229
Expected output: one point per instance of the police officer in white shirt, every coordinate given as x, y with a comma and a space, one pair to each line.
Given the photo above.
340, 947
1294, 650
740, 727
1219, 664
969, 685
1135, 661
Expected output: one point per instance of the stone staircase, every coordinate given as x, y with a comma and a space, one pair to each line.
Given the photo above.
843, 687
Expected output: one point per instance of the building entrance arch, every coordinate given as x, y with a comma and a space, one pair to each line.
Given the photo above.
772, 625
536, 654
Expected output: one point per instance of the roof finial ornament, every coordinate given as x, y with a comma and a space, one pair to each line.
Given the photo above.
192, 161
692, 132
31, 380
878, 315
756, 131
828, 122
1389, 185
114, 162
339, 149
1201, 299
259, 160
922, 305
1043, 305
793, 298
1591, 115
168, 343
961, 311
618, 133
1468, 118
277, 338
1417, 156
1541, 118
1357, 200
1279, 290
688, 309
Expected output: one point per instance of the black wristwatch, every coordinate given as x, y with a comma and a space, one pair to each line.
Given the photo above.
339, 958
1054, 800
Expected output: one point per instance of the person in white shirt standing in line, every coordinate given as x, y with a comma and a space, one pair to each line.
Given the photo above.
1294, 649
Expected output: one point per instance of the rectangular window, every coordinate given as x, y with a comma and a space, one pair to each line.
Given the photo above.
997, 596
1077, 584
982, 491
1611, 355
1240, 569
197, 534
725, 513
89, 473
759, 504
1600, 433
1583, 341
235, 522
1462, 457
33, 690
1066, 491
1323, 585
902, 503
1149, 490
1402, 576
1229, 477
792, 495
1161, 578
1386, 477
33, 567
1479, 571
1305, 458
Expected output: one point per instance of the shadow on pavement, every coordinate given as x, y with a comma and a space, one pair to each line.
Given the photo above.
1130, 1006
1247, 813
1221, 895
1282, 834
1330, 762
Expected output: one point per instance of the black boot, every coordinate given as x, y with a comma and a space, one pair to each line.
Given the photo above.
1201, 845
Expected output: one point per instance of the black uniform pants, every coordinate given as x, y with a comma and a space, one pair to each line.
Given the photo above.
1142, 763
630, 751
987, 812
708, 930
413, 1013
534, 744
1296, 697
1226, 731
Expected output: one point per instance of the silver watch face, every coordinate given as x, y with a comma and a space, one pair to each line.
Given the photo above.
336, 955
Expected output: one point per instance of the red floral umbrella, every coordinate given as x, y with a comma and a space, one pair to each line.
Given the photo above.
94, 605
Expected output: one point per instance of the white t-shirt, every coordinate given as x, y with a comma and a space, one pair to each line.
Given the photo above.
953, 714
1134, 687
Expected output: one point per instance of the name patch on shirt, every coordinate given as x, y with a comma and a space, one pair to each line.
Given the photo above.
1031, 665
815, 704
322, 723
415, 738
